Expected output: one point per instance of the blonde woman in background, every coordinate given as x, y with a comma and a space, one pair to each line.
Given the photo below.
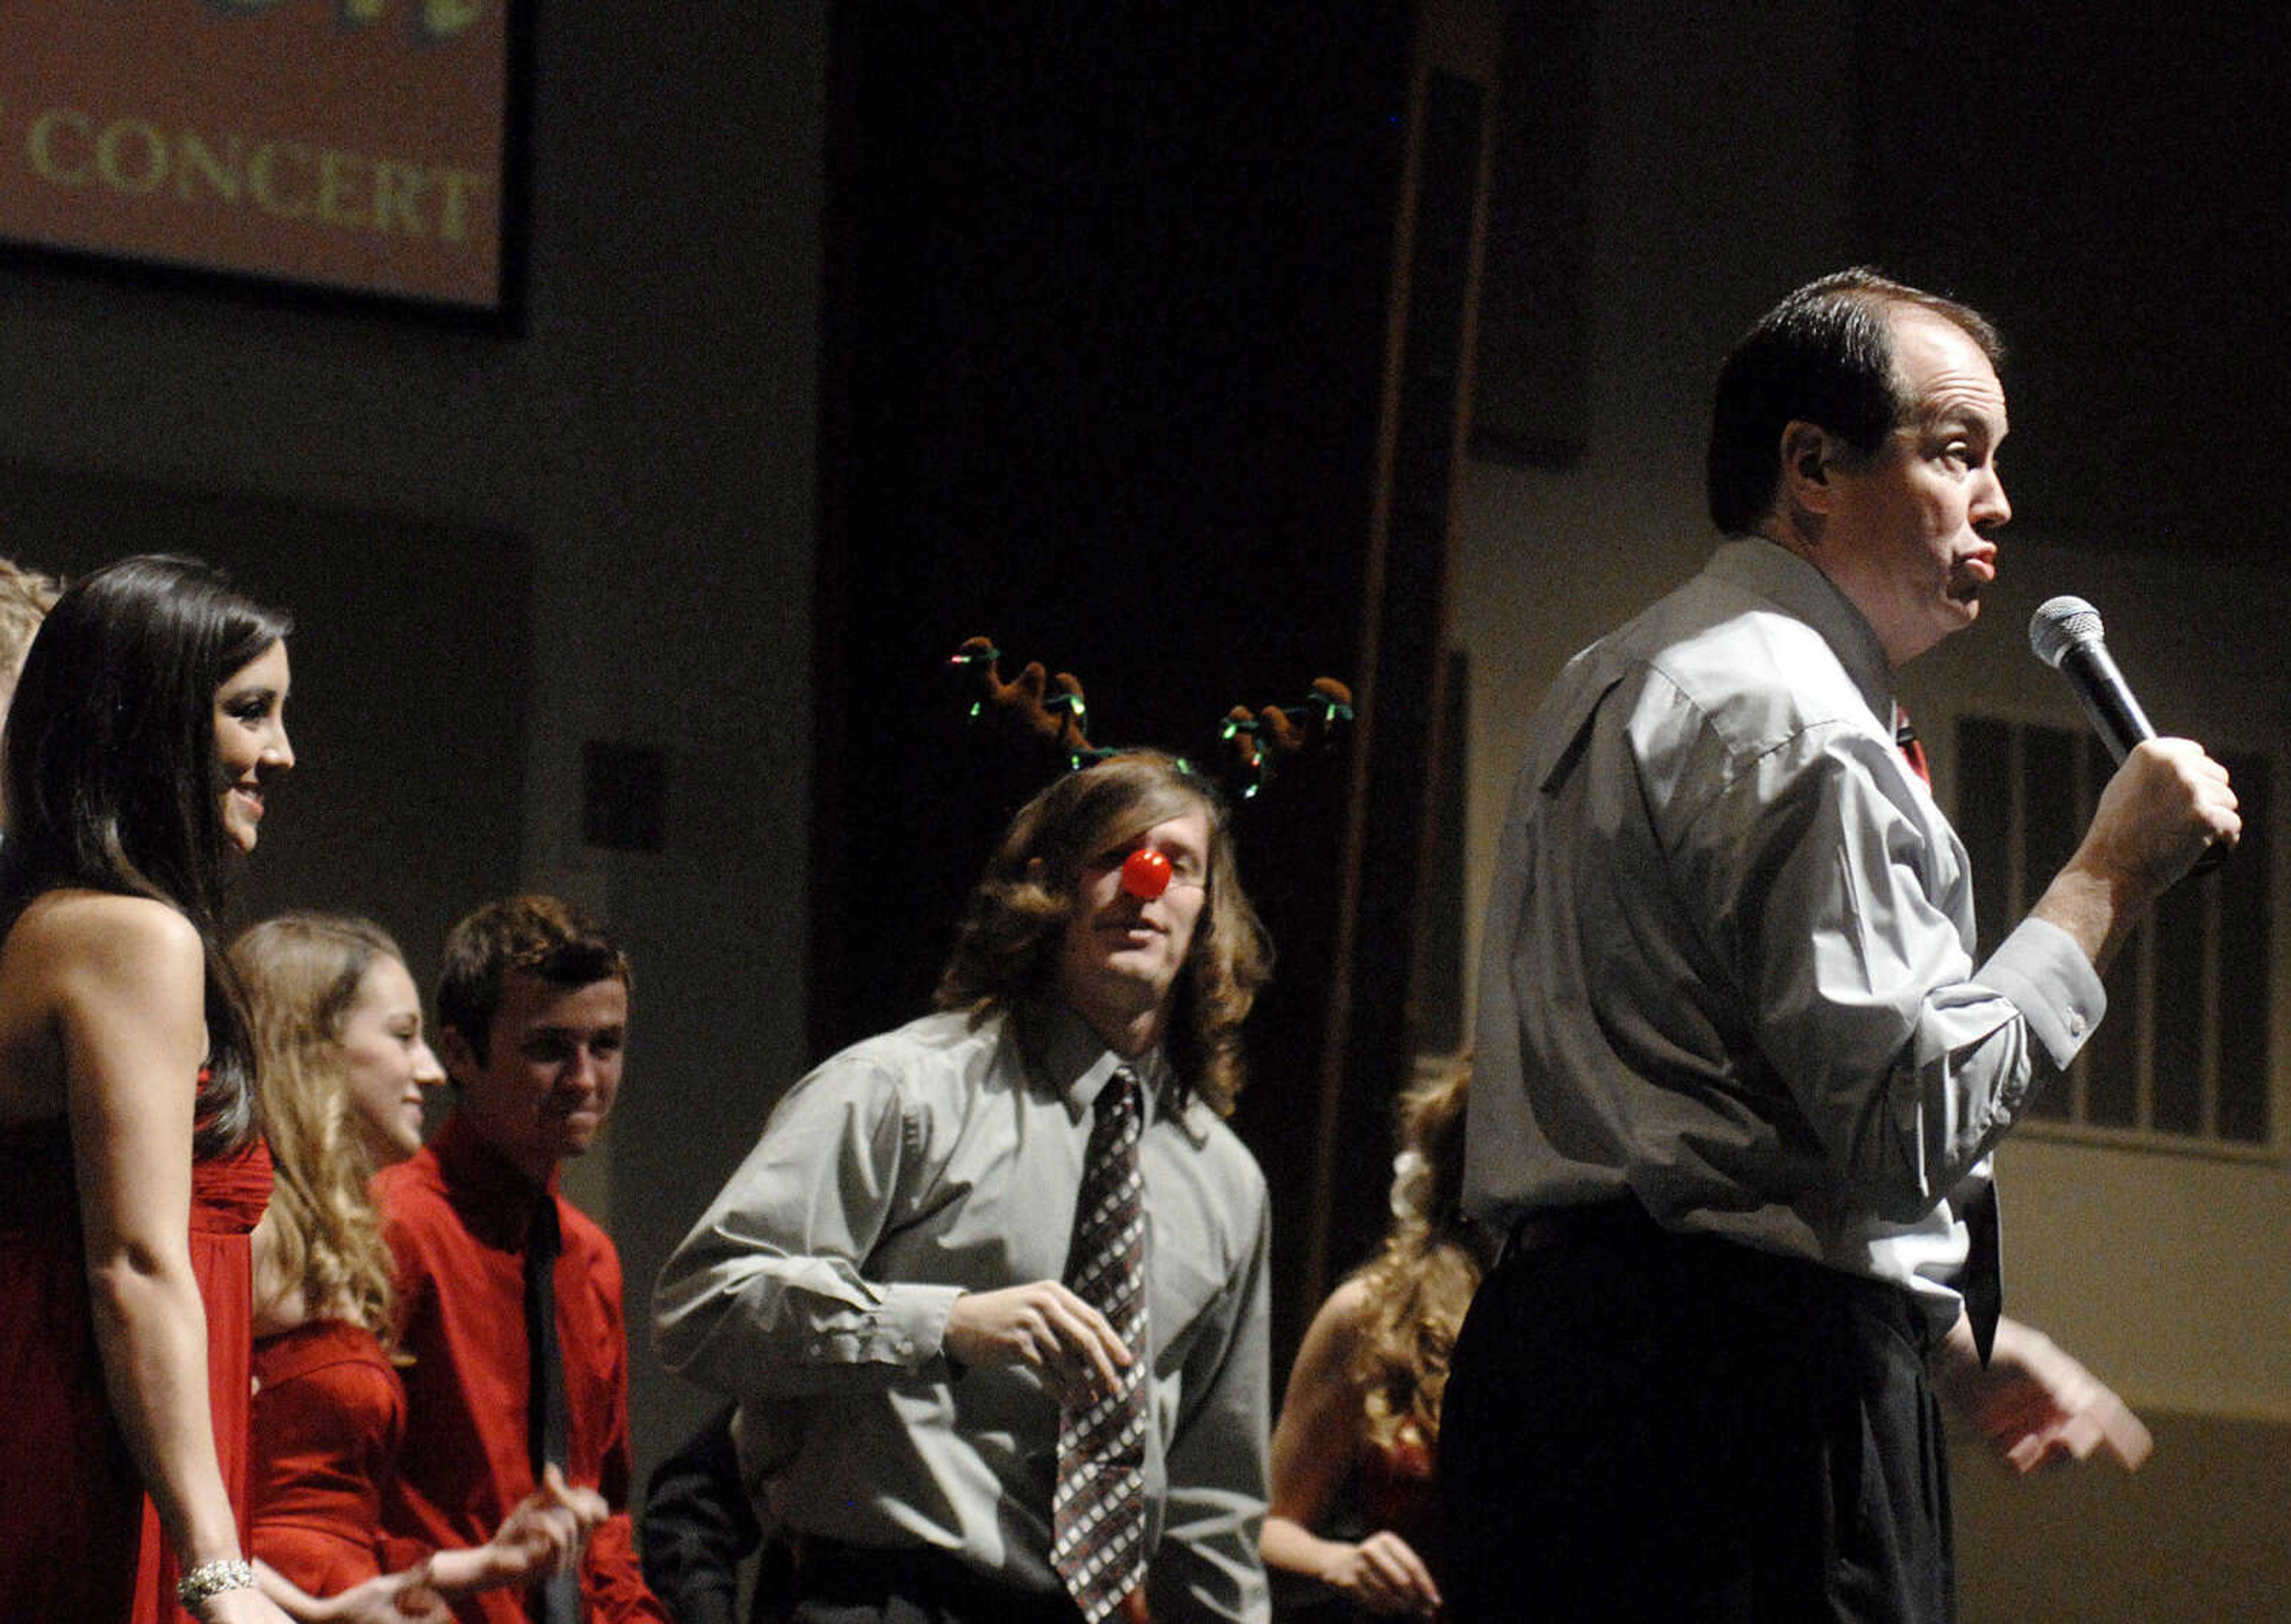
1356, 1444
342, 1067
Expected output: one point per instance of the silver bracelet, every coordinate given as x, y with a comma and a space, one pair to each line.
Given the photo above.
211, 1579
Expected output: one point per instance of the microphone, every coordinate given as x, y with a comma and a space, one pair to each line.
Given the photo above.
2065, 634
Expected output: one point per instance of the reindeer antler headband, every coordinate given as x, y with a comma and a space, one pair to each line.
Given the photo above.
1051, 708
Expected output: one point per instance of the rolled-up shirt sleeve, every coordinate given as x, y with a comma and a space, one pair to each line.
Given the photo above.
765, 1297
1906, 1060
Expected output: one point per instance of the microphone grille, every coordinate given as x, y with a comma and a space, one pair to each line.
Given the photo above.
2059, 625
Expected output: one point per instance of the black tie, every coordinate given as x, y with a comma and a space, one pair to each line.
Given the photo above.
556, 1600
1982, 1283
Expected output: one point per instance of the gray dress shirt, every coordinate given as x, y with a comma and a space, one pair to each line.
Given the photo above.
945, 1157
1728, 963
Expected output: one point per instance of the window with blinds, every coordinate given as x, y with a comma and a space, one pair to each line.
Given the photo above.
2183, 1059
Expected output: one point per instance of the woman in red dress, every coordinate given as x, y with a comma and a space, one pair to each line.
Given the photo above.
1354, 1508
337, 1026
145, 730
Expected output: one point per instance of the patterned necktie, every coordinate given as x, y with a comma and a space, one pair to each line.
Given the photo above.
1098, 1512
555, 1600
1983, 1282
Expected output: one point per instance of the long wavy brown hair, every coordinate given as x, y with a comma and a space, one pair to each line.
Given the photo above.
1421, 1282
1007, 943
302, 973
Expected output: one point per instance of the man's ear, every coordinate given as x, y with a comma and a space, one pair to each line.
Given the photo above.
456, 1055
1808, 453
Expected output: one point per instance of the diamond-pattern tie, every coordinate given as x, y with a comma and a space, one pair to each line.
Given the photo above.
1098, 1512
1983, 1282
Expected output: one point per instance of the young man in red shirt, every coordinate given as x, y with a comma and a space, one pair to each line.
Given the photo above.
533, 1007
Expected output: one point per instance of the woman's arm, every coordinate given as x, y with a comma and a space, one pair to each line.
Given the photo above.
403, 1597
544, 1535
1313, 1443
127, 985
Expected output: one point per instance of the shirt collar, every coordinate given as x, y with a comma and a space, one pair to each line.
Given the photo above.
1799, 588
494, 1195
1064, 1051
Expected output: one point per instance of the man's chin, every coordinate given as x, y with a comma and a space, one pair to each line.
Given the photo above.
577, 1139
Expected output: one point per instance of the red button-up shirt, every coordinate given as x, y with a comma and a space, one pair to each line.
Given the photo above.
456, 1216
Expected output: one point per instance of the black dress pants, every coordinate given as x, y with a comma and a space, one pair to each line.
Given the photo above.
1644, 1425
845, 1584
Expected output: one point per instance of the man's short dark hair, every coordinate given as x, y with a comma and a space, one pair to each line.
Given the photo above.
1007, 944
1824, 356
542, 936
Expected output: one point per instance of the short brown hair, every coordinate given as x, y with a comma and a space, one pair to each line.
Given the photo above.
1007, 944
543, 936
1824, 356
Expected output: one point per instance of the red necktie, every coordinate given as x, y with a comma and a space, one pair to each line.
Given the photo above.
1906, 738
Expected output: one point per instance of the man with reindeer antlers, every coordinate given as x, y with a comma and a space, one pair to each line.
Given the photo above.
991, 1288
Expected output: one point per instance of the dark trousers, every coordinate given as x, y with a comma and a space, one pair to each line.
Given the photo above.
1642, 1426
845, 1584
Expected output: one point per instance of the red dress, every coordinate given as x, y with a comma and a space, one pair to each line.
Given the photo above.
228, 1196
70, 1501
1398, 1490
329, 1416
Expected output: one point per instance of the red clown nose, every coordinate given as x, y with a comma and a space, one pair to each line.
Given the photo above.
1145, 873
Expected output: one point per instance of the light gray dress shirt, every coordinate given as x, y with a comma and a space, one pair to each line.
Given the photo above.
1728, 962
944, 1157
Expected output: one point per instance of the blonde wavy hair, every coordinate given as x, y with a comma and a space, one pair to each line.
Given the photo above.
1009, 941
302, 974
1422, 1280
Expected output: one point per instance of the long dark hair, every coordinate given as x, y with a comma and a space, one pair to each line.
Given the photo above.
1006, 944
112, 777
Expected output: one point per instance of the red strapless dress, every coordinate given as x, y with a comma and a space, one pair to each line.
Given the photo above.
228, 1196
329, 1416
70, 1501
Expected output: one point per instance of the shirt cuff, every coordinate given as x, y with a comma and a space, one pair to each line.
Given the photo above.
907, 1328
2047, 978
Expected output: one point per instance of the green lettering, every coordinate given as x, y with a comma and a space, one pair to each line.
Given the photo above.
112, 154
339, 175
259, 180
42, 152
453, 210
397, 198
195, 158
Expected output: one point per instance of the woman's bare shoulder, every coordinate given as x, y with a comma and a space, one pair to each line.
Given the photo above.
62, 934
1341, 1324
